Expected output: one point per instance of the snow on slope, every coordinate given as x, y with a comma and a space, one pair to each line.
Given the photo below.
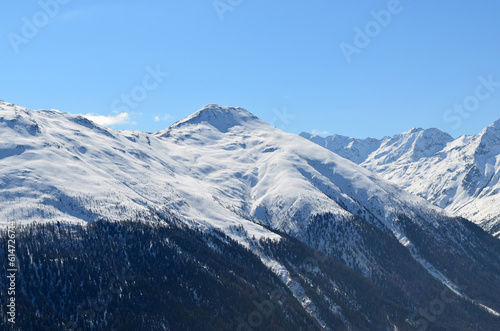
220, 167
356, 150
57, 166
276, 178
461, 175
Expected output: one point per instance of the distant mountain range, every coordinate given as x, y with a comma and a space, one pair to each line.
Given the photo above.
459, 175
234, 224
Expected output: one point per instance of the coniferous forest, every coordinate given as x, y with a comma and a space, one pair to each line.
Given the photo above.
164, 275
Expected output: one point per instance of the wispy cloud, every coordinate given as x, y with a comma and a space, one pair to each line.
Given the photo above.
320, 133
165, 117
122, 118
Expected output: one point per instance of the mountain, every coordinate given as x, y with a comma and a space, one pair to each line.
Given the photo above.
459, 175
356, 150
310, 239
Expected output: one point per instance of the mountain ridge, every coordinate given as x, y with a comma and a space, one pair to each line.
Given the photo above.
222, 118
459, 175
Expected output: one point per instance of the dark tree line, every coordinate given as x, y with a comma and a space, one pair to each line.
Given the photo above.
163, 275
140, 276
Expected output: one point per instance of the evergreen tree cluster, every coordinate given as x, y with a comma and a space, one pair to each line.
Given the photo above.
164, 275
141, 276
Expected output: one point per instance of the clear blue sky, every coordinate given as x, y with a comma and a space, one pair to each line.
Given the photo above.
285, 61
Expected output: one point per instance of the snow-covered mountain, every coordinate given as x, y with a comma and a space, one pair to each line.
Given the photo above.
219, 164
356, 150
460, 175
223, 169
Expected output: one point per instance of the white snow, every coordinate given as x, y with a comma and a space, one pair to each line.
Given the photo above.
460, 175
220, 167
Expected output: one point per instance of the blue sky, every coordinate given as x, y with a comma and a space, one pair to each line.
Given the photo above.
357, 68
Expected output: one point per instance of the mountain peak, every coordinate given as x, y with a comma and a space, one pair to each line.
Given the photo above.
413, 130
418, 134
489, 140
220, 117
496, 124
493, 130
426, 132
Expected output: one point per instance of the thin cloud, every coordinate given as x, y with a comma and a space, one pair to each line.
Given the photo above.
122, 118
320, 133
165, 117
